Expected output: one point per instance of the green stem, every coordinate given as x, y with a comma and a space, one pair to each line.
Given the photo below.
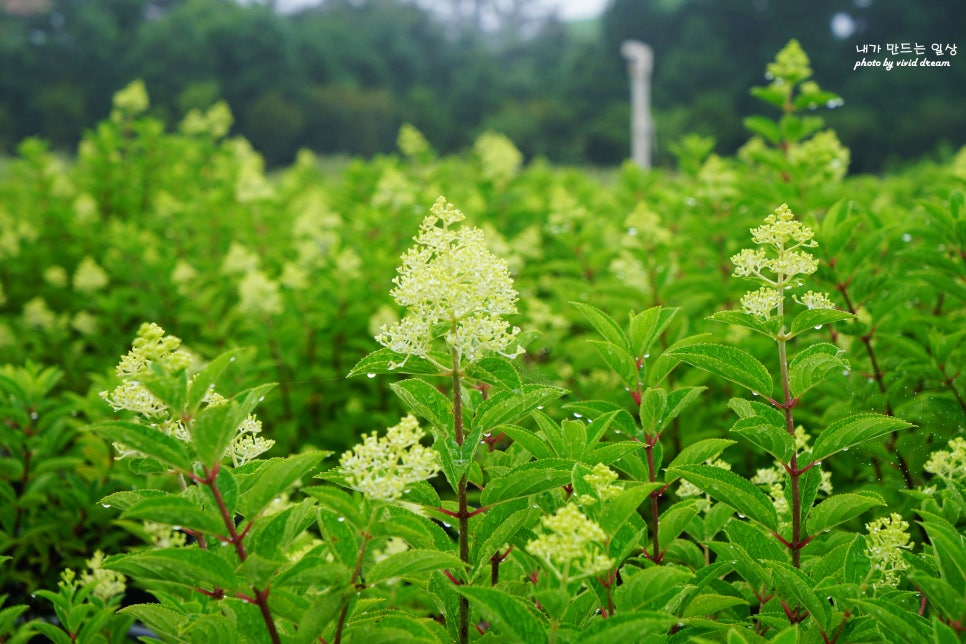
356, 573
652, 476
793, 471
463, 627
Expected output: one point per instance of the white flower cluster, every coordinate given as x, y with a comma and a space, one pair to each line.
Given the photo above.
153, 347
887, 538
949, 464
573, 547
451, 279
383, 468
777, 264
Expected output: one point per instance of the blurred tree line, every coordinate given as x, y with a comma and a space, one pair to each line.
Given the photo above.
342, 76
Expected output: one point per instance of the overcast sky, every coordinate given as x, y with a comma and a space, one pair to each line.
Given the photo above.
569, 9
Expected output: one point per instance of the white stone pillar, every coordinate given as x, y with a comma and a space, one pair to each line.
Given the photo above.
640, 59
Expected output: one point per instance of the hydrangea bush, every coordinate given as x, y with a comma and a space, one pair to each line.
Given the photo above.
718, 405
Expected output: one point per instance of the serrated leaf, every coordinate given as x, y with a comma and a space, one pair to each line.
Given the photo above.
697, 453
527, 479
505, 407
812, 318
732, 489
213, 429
127, 499
426, 401
731, 363
638, 626
191, 567
709, 604
604, 324
177, 511
410, 563
594, 409
949, 548
496, 528
839, 509
815, 365
526, 439
853, 430
204, 382
496, 371
163, 621
795, 586
619, 508
379, 361
147, 440
620, 361
653, 404
274, 477
894, 623
512, 615
674, 521
761, 432
647, 326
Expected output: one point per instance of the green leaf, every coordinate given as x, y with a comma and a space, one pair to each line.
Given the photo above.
697, 453
812, 318
505, 407
854, 430
949, 549
204, 382
191, 567
163, 621
619, 508
594, 409
215, 426
496, 371
763, 126
605, 325
941, 595
620, 361
769, 327
732, 489
527, 479
759, 431
709, 604
527, 440
653, 404
896, 624
179, 511
795, 586
731, 363
497, 527
274, 477
514, 618
379, 361
815, 365
639, 626
426, 400
147, 440
127, 499
839, 509
410, 563
674, 521
170, 389
647, 326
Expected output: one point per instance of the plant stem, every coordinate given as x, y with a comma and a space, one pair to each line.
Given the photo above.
356, 572
463, 627
237, 540
794, 473
652, 477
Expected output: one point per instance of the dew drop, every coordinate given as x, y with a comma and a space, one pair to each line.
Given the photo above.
741, 516
370, 375
175, 527
617, 431
231, 359
907, 238
576, 415
261, 398
106, 505
846, 372
34, 415
632, 232
446, 525
818, 327
539, 406
754, 393
341, 519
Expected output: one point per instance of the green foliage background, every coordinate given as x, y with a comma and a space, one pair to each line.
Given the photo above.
342, 77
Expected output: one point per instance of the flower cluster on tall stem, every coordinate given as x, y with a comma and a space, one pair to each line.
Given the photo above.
778, 263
